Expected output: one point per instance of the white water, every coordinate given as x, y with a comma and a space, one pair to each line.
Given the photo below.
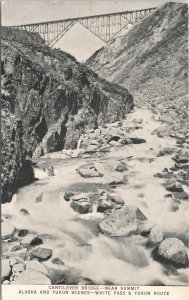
122, 260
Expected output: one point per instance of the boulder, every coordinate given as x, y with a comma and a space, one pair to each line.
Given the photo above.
175, 187
123, 222
24, 212
136, 140
172, 251
5, 268
37, 266
104, 205
182, 156
88, 171
23, 232
57, 261
18, 268
42, 254
31, 240
68, 195
91, 148
155, 238
166, 151
162, 131
32, 277
80, 197
180, 195
7, 230
81, 207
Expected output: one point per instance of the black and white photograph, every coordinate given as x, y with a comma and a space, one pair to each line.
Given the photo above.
94, 147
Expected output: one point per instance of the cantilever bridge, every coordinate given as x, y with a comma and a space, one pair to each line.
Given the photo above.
105, 26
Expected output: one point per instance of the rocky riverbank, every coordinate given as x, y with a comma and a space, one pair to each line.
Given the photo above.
119, 199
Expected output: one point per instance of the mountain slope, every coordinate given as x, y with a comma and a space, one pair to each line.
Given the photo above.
54, 97
151, 59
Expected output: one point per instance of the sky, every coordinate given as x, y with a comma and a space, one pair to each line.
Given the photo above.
78, 41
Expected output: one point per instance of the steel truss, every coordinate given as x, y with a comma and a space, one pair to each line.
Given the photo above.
105, 26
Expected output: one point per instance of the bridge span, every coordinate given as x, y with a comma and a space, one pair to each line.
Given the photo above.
105, 26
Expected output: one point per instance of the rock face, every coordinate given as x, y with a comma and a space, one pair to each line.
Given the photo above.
48, 99
15, 169
151, 61
172, 250
123, 222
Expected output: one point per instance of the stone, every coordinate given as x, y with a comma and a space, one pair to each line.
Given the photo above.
18, 268
81, 207
103, 205
16, 248
180, 195
182, 156
42, 254
175, 187
123, 222
114, 178
85, 281
166, 151
39, 198
162, 131
31, 240
5, 268
170, 270
7, 230
6, 282
57, 261
91, 148
24, 212
37, 266
23, 232
68, 195
136, 140
88, 171
80, 197
172, 251
155, 238
32, 277
13, 261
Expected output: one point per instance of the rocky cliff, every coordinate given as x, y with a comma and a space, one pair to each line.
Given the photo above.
151, 60
52, 96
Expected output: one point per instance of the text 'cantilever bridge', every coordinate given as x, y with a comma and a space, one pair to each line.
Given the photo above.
105, 26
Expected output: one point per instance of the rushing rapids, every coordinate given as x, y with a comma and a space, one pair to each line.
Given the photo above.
83, 253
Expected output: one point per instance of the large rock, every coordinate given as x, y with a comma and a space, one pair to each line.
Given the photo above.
37, 266
155, 238
7, 230
31, 240
88, 171
172, 250
5, 268
175, 187
42, 254
81, 207
182, 156
32, 277
136, 140
123, 222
